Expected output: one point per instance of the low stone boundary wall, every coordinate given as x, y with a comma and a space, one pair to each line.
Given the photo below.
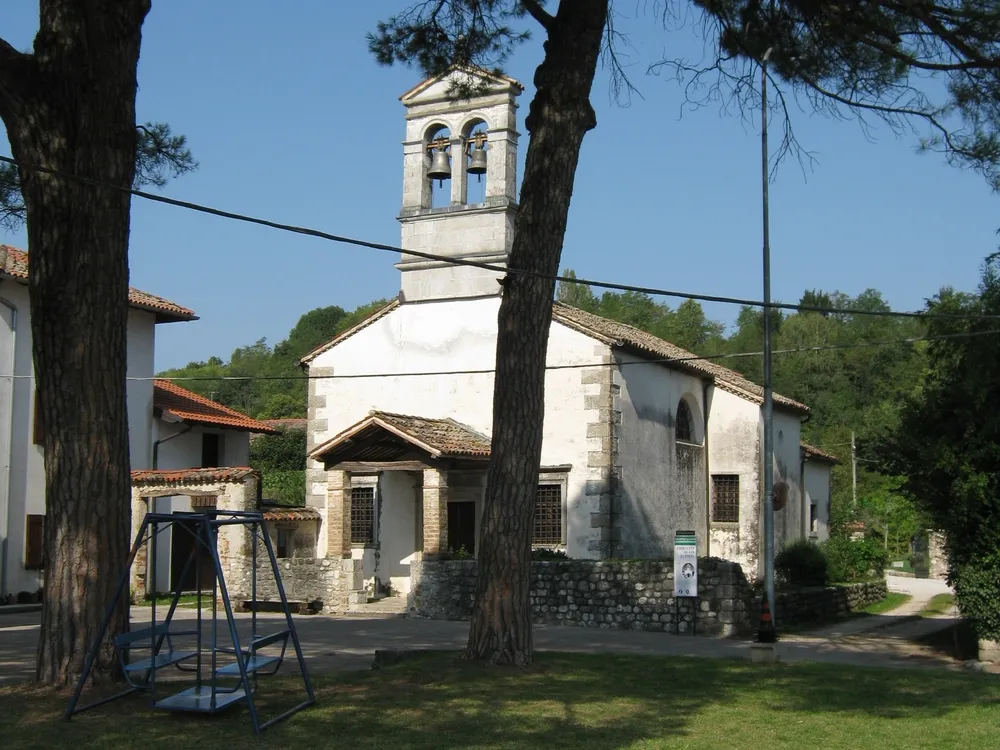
636, 595
822, 604
329, 580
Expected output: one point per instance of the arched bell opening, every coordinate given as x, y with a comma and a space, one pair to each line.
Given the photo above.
475, 136
438, 164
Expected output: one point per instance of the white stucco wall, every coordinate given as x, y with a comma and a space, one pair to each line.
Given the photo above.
458, 335
184, 452
24, 481
790, 522
816, 481
663, 483
397, 527
734, 443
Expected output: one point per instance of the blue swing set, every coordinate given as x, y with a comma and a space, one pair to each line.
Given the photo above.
217, 663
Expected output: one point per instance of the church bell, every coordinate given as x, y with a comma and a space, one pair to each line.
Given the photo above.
440, 167
477, 161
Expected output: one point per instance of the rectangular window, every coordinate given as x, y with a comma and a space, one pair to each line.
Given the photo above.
725, 498
210, 450
284, 543
548, 515
38, 431
813, 519
34, 543
362, 515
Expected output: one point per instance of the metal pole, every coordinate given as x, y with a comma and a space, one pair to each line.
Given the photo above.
768, 400
854, 473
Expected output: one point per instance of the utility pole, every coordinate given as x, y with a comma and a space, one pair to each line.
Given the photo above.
768, 397
854, 472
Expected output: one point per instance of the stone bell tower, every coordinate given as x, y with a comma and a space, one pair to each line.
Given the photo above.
447, 141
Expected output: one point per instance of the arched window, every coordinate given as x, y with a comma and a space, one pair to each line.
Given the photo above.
684, 424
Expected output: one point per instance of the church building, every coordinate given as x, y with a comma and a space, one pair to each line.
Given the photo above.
640, 438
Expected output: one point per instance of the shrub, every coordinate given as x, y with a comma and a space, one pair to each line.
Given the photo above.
849, 561
542, 553
284, 487
801, 563
978, 595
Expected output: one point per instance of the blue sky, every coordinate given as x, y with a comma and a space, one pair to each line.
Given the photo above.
291, 119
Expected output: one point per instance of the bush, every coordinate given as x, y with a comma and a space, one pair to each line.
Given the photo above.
849, 561
978, 595
541, 553
801, 563
284, 487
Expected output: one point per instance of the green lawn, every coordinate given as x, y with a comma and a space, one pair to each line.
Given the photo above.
563, 701
891, 601
163, 600
938, 605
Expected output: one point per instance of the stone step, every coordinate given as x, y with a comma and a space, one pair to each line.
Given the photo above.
393, 605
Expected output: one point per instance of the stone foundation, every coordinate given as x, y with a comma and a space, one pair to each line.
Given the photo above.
329, 580
636, 596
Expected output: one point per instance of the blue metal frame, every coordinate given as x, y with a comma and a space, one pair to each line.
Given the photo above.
207, 696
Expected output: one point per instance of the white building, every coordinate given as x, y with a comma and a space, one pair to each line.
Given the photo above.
169, 427
640, 439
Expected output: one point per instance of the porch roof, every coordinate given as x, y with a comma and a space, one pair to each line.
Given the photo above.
382, 436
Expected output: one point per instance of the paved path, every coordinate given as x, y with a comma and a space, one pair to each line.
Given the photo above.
921, 591
332, 643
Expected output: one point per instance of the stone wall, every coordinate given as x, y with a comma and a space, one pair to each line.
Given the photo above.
636, 595
822, 604
329, 580
624, 595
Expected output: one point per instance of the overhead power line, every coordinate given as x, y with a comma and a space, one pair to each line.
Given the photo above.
652, 291
577, 366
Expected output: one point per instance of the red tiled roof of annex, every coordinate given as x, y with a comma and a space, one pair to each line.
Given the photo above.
191, 407
191, 476
14, 263
812, 451
278, 513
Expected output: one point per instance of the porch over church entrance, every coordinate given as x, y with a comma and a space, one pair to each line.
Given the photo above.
396, 484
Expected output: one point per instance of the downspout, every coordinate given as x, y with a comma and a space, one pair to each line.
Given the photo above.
708, 471
5, 519
156, 444
806, 508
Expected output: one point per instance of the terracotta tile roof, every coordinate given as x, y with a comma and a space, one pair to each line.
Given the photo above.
188, 406
811, 451
277, 513
627, 337
441, 438
306, 359
150, 477
14, 263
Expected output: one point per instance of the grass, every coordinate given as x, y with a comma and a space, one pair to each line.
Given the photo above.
892, 600
163, 600
562, 701
938, 605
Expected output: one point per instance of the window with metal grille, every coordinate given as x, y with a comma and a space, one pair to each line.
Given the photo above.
548, 515
362, 515
34, 542
725, 498
684, 424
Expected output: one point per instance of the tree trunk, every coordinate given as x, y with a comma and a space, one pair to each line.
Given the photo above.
71, 106
559, 117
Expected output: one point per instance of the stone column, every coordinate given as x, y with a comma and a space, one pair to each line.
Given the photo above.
338, 513
435, 512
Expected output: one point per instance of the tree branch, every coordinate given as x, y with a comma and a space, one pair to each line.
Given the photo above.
16, 71
536, 11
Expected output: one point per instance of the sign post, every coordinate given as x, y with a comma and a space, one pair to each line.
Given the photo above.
686, 570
